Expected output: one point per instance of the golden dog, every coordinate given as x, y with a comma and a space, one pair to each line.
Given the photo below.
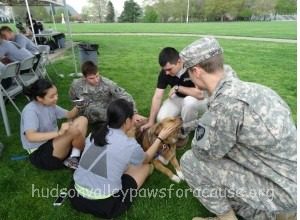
168, 147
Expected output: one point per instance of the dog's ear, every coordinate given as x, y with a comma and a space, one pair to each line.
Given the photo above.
155, 129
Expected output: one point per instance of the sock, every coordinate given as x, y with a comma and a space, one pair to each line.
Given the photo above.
75, 152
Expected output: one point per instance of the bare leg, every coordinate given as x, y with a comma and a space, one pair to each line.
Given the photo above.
139, 173
74, 137
81, 123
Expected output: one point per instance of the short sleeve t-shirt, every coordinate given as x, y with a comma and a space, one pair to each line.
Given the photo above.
101, 168
164, 80
40, 118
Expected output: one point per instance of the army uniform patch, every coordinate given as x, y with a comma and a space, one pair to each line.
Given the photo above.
200, 131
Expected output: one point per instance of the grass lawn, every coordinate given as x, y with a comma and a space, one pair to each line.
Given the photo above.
131, 61
274, 29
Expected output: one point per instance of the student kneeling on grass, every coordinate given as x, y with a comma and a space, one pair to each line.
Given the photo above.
47, 145
113, 165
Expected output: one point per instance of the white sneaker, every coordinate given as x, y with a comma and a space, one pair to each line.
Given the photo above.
71, 162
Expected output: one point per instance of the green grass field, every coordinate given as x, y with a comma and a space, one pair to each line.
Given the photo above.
131, 61
275, 29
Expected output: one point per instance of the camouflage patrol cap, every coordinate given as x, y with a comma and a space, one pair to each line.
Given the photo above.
199, 51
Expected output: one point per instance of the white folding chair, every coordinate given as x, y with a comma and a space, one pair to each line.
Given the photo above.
29, 77
44, 61
9, 71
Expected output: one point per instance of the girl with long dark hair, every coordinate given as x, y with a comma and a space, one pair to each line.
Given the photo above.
113, 165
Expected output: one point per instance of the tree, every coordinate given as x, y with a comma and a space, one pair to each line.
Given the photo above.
163, 10
219, 9
263, 7
110, 16
150, 15
286, 7
196, 10
97, 10
131, 12
85, 13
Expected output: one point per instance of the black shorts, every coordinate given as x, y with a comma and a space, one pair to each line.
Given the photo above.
43, 158
110, 207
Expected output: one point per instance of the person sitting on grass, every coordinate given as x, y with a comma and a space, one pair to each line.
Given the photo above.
113, 165
98, 92
47, 145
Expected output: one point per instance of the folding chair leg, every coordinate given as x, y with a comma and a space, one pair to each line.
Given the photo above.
4, 115
10, 99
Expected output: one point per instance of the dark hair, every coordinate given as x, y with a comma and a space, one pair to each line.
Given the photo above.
88, 68
38, 89
117, 113
5, 28
168, 55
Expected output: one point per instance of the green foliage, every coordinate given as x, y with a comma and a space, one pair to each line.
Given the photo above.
150, 15
264, 7
219, 10
110, 16
131, 12
286, 6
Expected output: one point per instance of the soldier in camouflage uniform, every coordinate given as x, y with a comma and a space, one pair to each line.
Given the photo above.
243, 156
97, 92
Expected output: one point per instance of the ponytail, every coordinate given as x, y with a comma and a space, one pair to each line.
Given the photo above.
99, 135
117, 113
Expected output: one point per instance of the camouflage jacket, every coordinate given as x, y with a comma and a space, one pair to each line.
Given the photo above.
99, 97
251, 125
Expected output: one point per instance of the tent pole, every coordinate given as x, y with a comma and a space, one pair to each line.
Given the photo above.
70, 35
30, 19
52, 14
13, 17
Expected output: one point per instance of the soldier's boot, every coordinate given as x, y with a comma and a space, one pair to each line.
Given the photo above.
286, 216
227, 216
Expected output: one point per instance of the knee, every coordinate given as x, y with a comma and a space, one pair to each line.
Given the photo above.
82, 120
191, 103
160, 117
74, 131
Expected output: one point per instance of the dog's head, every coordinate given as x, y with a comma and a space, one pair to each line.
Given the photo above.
154, 131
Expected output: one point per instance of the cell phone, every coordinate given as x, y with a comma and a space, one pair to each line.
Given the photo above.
60, 199
79, 102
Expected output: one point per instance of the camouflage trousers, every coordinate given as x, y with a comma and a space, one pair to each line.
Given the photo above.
223, 184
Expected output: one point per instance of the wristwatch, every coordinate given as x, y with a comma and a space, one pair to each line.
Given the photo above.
176, 88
